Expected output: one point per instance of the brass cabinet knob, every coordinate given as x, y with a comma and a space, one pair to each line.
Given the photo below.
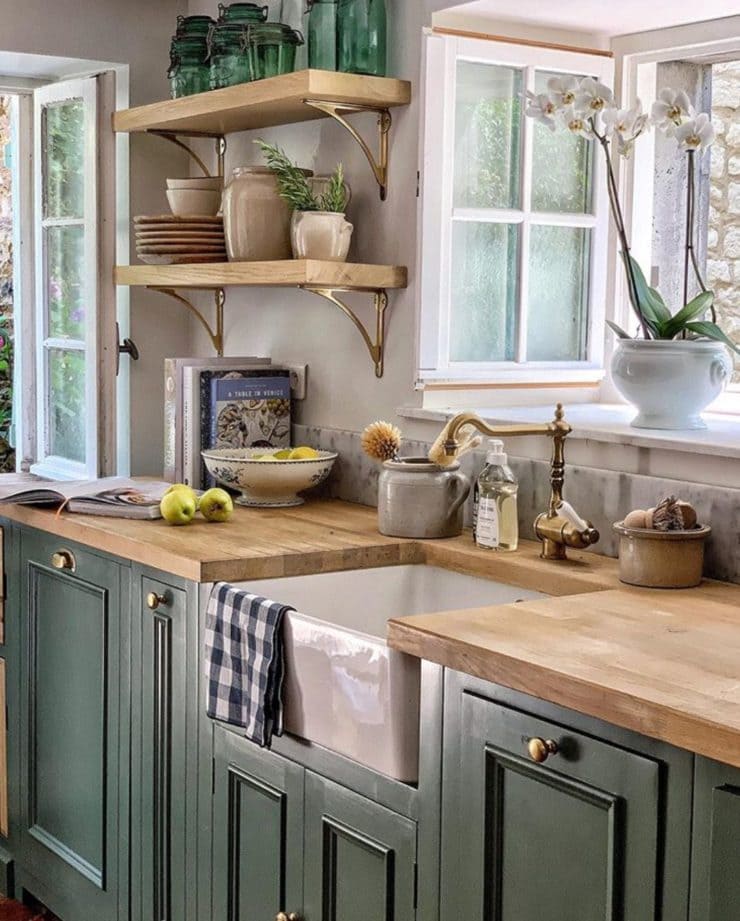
154, 601
63, 559
281, 916
541, 749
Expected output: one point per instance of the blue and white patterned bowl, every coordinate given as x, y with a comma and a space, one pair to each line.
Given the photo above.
267, 483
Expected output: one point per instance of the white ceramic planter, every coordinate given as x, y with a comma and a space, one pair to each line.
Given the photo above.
320, 235
670, 382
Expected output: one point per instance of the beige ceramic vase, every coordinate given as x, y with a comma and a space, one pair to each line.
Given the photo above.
320, 235
256, 218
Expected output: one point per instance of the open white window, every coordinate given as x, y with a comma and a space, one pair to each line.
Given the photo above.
514, 221
67, 286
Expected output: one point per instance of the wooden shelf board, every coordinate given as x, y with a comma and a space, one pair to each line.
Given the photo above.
285, 273
275, 101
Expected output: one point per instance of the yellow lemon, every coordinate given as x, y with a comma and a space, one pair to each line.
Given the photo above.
282, 455
303, 453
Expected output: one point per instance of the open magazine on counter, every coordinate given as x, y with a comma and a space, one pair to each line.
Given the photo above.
118, 497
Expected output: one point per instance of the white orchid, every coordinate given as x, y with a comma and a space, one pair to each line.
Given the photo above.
577, 123
592, 97
696, 134
670, 110
562, 90
626, 125
542, 109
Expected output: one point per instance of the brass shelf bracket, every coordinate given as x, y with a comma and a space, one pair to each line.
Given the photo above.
378, 165
380, 303
215, 335
174, 138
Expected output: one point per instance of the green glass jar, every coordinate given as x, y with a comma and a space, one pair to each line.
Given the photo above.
193, 26
361, 37
227, 55
271, 49
242, 13
322, 34
188, 72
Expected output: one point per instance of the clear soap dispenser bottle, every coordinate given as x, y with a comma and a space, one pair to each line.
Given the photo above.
495, 517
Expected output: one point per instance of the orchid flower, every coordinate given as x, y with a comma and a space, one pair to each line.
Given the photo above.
670, 110
696, 134
562, 90
593, 97
626, 125
542, 109
577, 123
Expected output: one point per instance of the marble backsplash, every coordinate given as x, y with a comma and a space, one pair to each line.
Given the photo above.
603, 496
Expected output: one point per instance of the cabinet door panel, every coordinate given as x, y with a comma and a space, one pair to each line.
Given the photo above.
359, 857
161, 750
258, 818
71, 762
577, 834
715, 889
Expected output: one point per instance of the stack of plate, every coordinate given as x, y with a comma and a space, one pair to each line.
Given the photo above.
166, 239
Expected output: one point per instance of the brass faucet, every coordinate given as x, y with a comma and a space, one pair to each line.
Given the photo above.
560, 526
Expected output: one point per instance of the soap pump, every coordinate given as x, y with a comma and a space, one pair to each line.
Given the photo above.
495, 517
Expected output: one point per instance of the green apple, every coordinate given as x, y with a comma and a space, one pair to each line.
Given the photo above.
177, 507
216, 505
183, 487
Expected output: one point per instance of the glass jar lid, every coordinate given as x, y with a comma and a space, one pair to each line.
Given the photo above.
241, 13
227, 36
193, 25
273, 33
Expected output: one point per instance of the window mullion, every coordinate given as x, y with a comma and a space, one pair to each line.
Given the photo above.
525, 193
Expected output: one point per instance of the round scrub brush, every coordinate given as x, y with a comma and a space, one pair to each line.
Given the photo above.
381, 441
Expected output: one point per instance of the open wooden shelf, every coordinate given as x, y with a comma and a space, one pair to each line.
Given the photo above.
264, 103
287, 273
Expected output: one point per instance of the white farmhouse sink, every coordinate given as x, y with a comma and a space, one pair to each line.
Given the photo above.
345, 689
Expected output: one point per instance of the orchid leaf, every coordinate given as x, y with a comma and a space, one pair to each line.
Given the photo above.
650, 305
710, 330
695, 308
620, 333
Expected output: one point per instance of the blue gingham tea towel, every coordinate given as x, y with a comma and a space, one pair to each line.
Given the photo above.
244, 661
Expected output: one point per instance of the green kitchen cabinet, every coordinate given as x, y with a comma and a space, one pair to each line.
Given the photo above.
161, 886
74, 740
715, 871
257, 868
360, 857
287, 839
573, 828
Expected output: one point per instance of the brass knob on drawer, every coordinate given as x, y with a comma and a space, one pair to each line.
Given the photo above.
63, 559
154, 601
281, 916
541, 749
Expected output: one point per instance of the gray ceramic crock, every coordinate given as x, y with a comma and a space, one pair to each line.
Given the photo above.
419, 499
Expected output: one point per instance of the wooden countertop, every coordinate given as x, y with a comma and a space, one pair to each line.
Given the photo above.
662, 663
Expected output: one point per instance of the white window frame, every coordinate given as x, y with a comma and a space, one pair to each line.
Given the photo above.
442, 52
48, 464
637, 57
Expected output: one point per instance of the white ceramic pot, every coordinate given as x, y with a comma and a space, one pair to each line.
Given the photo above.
320, 235
670, 382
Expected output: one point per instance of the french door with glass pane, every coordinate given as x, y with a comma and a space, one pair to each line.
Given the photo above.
67, 286
514, 218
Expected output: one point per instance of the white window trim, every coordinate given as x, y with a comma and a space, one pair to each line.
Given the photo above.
49, 465
636, 59
441, 54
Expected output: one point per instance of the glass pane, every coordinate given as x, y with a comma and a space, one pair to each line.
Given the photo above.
488, 114
66, 372
484, 290
63, 133
561, 165
558, 293
65, 266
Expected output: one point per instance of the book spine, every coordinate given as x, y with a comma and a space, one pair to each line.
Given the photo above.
187, 426
171, 429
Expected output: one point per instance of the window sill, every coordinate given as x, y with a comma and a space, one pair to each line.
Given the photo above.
609, 423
